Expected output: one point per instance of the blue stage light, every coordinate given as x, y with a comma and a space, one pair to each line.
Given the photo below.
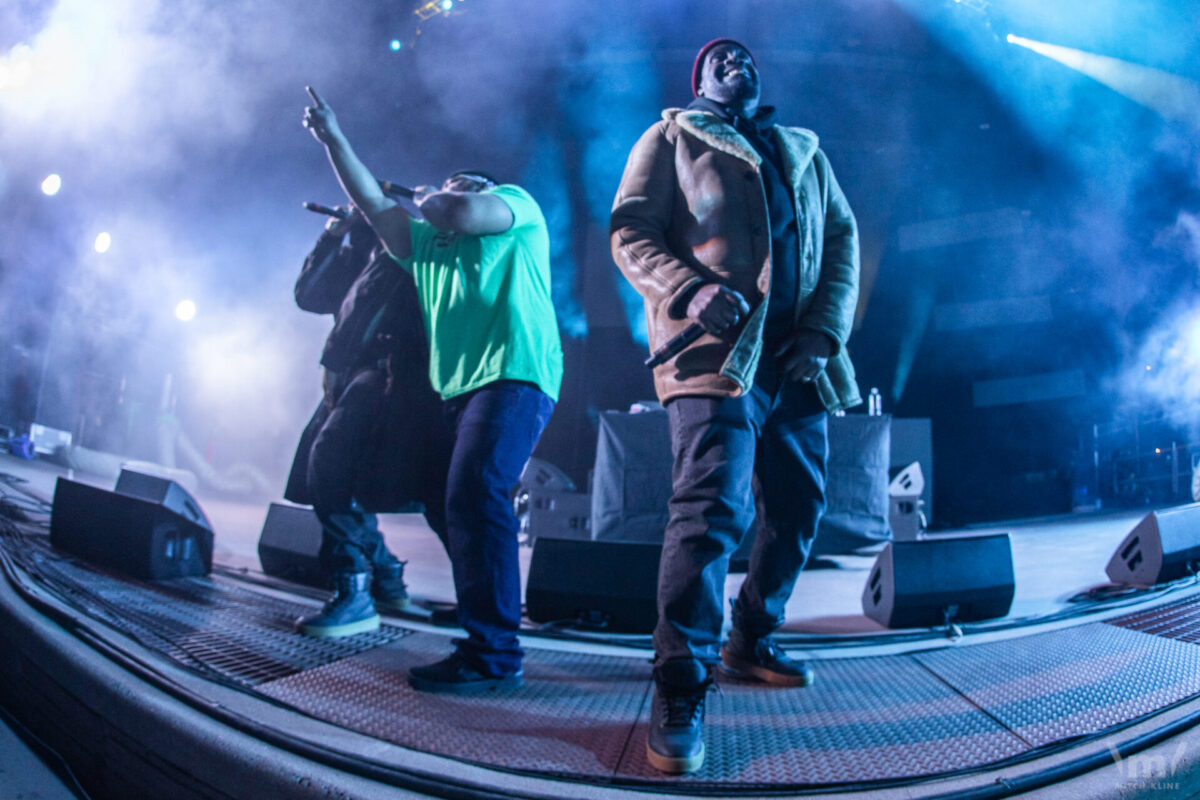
447, 5
396, 44
1172, 96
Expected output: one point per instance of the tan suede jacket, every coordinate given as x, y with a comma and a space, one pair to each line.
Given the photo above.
691, 209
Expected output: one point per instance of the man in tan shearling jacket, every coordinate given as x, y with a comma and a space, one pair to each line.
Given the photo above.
728, 221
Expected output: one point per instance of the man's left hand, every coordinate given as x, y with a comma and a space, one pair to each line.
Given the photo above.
804, 355
320, 119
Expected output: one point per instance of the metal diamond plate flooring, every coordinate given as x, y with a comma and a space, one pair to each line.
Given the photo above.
211, 623
862, 719
584, 716
1179, 620
1053, 686
573, 716
865, 719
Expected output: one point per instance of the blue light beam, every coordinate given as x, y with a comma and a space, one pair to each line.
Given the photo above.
1170, 95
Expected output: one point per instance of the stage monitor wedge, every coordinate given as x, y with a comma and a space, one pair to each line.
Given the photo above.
1163, 546
163, 491
923, 584
612, 585
290, 545
132, 535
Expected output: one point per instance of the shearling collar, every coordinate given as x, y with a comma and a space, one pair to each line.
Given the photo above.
799, 144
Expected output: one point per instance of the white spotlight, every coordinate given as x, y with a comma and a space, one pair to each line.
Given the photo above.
103, 242
1173, 96
51, 185
185, 311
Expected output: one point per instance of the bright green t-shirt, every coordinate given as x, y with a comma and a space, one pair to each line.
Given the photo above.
486, 302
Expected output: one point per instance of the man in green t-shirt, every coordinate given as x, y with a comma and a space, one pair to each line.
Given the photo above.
481, 263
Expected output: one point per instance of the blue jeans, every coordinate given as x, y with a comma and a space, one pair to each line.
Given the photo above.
719, 444
495, 430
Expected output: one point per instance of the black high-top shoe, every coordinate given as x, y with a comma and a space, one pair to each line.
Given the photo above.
764, 659
348, 612
676, 743
388, 589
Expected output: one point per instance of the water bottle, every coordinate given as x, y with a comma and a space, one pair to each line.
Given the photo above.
874, 403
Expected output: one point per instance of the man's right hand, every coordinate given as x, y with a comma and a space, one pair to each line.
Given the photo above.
717, 308
340, 227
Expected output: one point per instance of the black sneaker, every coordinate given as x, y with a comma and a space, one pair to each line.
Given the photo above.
675, 744
444, 615
348, 612
452, 675
764, 659
388, 589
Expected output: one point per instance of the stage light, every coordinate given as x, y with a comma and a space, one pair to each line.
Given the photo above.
185, 311
103, 242
51, 185
432, 8
396, 44
1170, 95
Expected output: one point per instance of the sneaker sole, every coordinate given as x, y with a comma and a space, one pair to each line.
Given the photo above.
674, 766
470, 687
743, 669
337, 631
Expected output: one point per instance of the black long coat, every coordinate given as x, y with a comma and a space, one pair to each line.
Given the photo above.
377, 320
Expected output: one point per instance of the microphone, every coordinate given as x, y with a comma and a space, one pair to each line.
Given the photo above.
675, 344
396, 190
317, 208
393, 189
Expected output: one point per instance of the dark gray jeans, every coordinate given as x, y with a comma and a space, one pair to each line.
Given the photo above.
719, 444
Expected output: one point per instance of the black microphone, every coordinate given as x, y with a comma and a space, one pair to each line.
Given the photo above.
396, 190
317, 208
675, 345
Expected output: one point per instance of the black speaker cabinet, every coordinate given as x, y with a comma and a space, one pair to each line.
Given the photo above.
923, 583
139, 537
165, 492
1164, 546
609, 584
290, 545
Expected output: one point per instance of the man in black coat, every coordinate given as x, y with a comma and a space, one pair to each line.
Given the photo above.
375, 443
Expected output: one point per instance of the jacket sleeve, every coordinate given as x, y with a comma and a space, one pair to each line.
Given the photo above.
836, 295
641, 216
330, 270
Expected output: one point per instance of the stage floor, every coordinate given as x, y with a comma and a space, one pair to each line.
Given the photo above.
913, 715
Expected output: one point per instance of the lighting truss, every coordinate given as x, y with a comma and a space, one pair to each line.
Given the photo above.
432, 8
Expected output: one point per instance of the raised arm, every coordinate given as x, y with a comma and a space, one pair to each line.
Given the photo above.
389, 220
331, 268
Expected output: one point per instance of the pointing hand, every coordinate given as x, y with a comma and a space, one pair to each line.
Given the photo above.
320, 119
